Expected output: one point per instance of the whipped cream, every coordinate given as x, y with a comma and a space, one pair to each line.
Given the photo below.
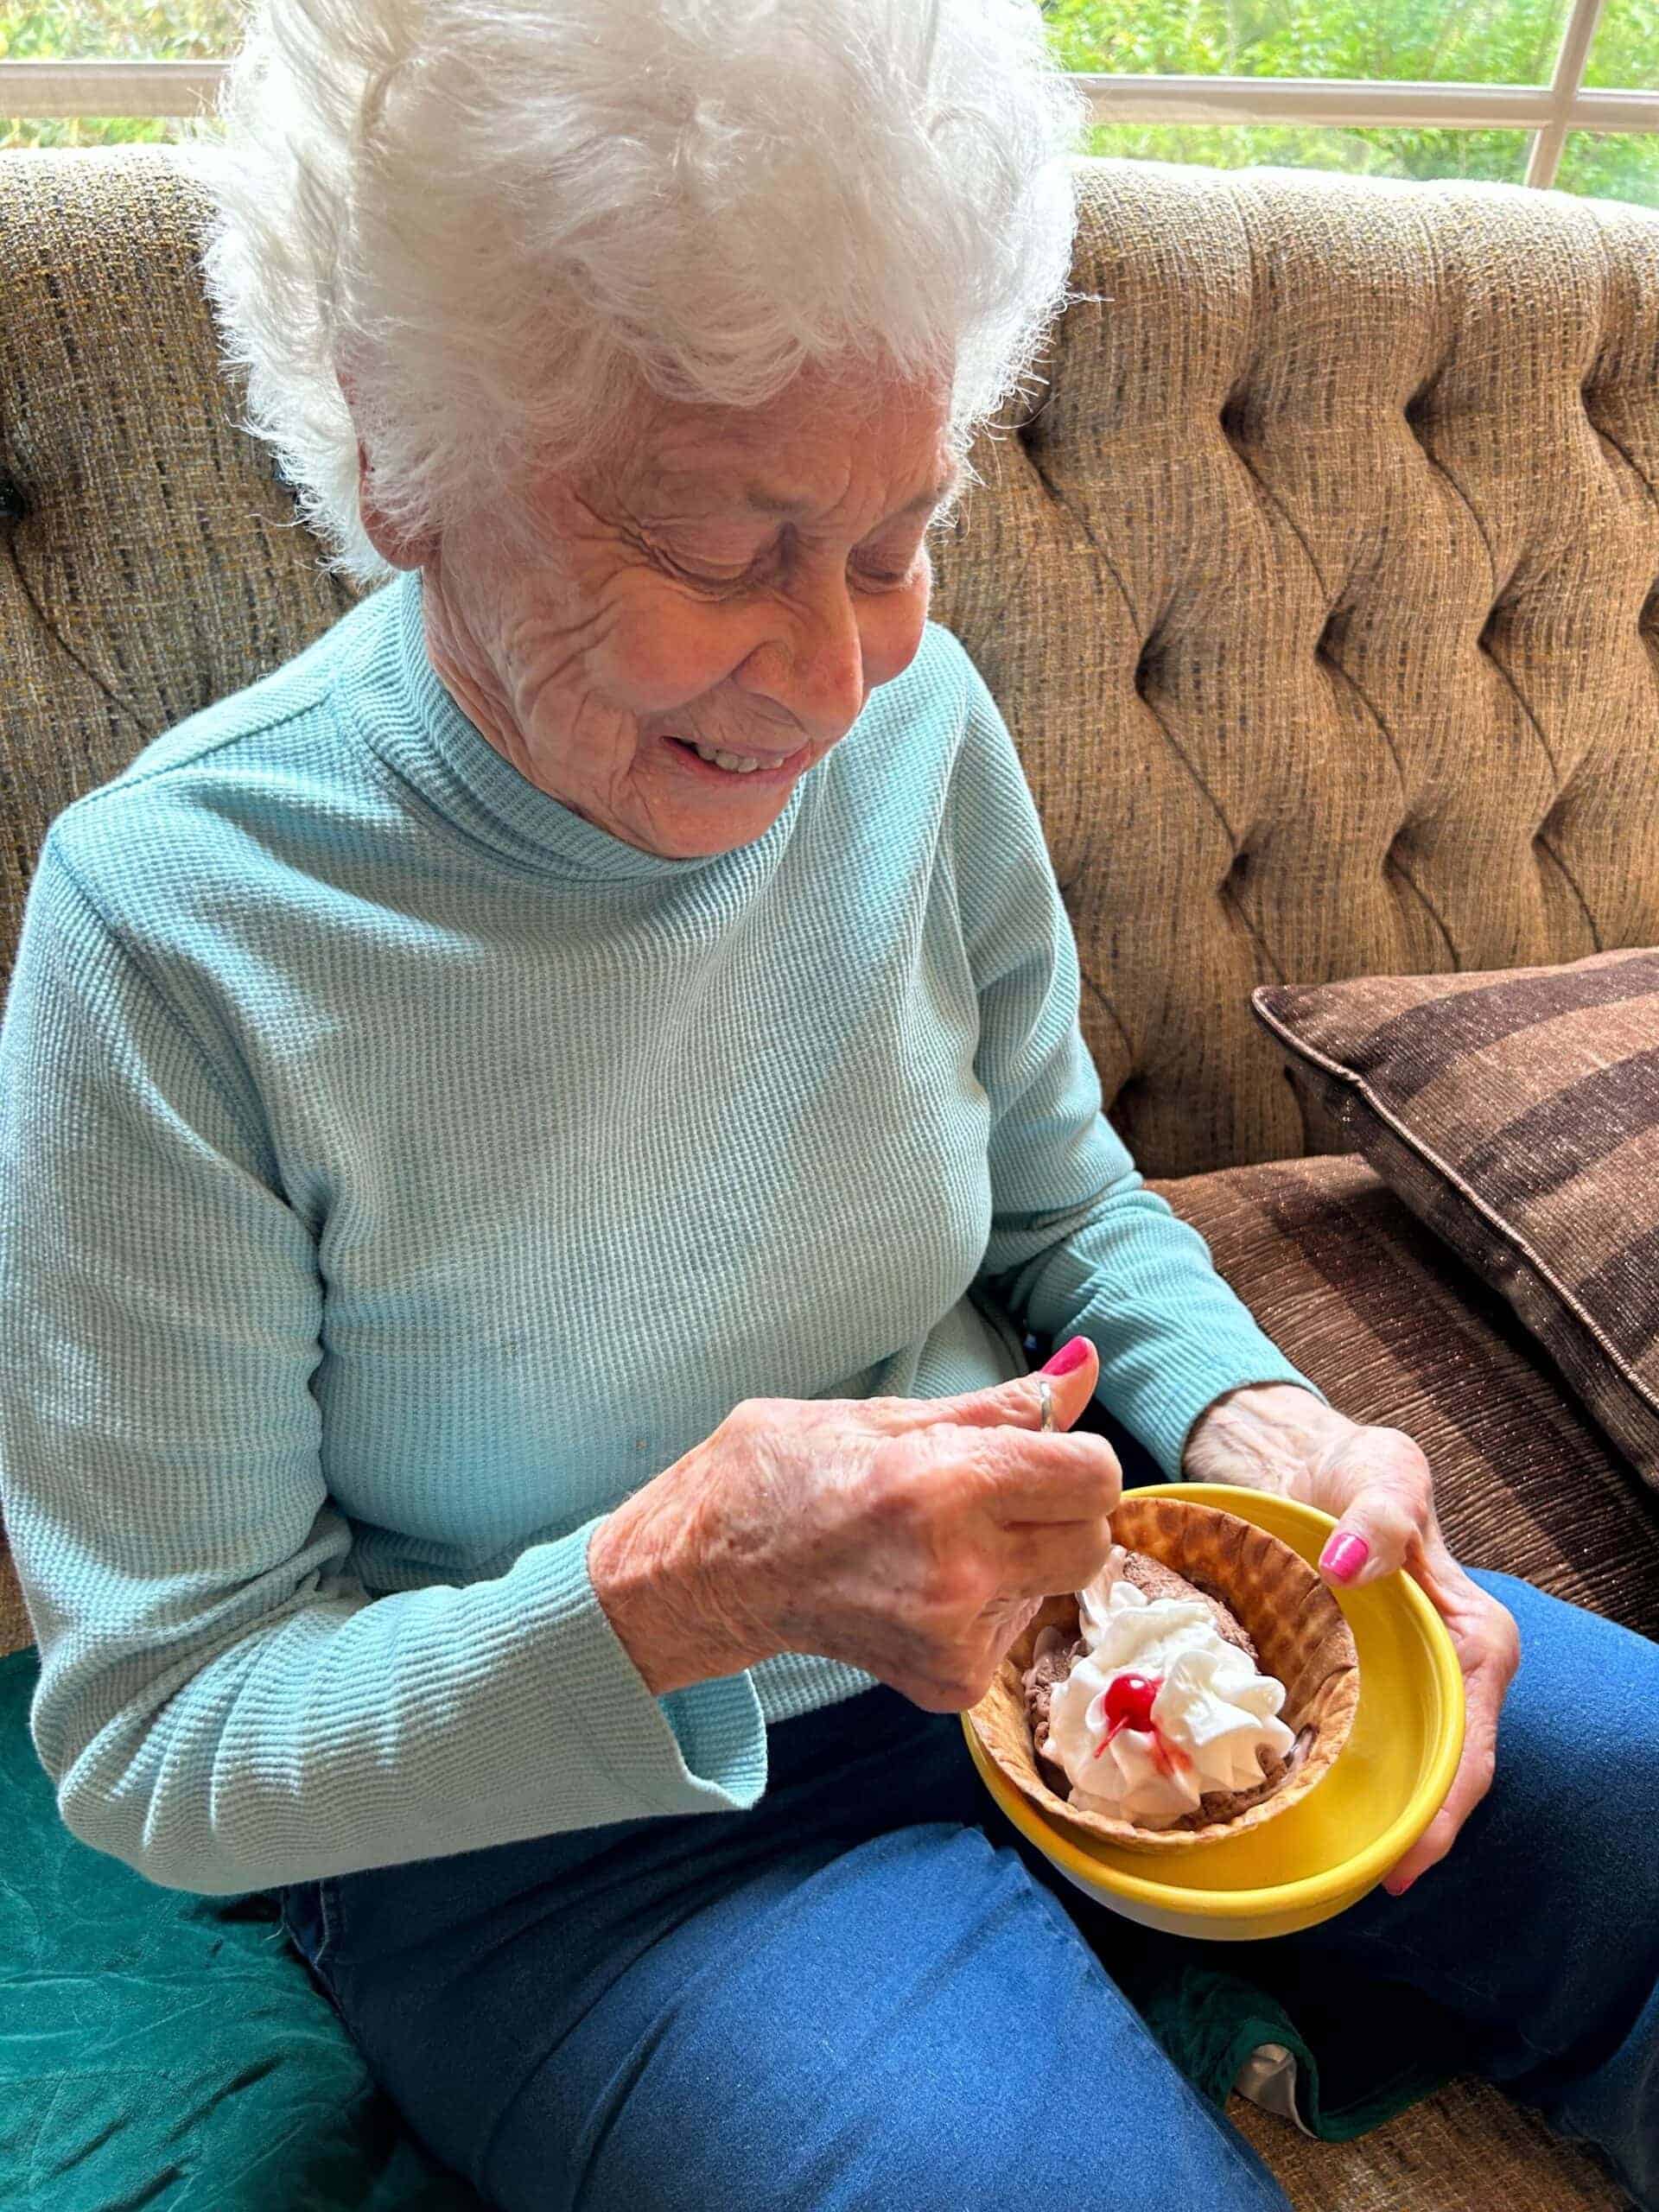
1214, 1719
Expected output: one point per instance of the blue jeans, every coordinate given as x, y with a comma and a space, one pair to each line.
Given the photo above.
866, 1992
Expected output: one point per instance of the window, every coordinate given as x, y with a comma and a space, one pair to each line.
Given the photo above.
86, 72
1544, 93
1537, 91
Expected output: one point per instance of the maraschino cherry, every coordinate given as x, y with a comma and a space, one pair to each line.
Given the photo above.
1127, 1703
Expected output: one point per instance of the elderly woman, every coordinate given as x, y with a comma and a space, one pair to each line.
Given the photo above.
524, 1132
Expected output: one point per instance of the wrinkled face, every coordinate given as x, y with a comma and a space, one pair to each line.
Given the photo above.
741, 579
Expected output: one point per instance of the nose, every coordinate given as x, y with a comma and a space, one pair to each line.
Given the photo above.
814, 670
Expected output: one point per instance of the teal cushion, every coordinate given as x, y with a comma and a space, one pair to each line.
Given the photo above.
170, 2050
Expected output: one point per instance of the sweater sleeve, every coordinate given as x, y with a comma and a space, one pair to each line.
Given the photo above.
1077, 1245
221, 1704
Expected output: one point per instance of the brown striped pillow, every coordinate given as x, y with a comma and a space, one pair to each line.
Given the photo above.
1517, 1112
1395, 1329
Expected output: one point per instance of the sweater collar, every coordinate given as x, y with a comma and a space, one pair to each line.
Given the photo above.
443, 753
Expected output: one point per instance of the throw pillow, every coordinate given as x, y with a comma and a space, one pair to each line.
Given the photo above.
1517, 1112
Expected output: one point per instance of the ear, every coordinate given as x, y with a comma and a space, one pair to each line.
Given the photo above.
392, 544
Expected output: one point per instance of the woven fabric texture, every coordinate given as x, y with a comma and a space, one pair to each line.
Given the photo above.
15, 1635
1319, 588
1467, 2149
1517, 1113
1319, 592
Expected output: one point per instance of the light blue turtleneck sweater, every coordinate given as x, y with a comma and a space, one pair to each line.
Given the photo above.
398, 1170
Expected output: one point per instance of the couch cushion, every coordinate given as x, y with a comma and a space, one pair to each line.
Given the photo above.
16, 1633
1466, 2149
1393, 1329
1517, 1114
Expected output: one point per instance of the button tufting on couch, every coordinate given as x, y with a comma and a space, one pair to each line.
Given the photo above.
1323, 570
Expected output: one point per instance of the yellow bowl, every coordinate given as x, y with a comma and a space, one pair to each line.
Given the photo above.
1323, 1854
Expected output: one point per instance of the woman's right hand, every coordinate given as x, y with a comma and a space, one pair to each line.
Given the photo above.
912, 1537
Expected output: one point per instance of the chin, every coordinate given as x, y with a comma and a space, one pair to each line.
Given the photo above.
719, 837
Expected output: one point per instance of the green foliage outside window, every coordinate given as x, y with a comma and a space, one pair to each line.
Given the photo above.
1469, 42
1436, 42
1447, 41
110, 30
98, 30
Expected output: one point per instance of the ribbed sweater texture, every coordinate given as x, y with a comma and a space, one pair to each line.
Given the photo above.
398, 1170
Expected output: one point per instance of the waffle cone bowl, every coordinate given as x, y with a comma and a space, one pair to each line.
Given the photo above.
1289, 1615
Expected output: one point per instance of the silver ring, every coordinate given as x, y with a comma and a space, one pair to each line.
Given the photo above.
1046, 1392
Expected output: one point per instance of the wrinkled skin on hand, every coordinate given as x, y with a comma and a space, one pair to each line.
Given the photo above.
1377, 1486
912, 1537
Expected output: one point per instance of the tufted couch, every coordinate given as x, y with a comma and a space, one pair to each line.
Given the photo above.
1320, 587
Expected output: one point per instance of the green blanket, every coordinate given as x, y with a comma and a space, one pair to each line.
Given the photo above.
168, 2051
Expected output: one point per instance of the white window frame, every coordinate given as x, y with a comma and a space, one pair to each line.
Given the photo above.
1549, 111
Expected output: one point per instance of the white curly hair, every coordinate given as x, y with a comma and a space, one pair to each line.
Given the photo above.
497, 219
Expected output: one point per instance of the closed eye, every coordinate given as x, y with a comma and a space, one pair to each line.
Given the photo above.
883, 580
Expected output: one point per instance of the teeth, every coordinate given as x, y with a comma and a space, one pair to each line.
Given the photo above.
740, 764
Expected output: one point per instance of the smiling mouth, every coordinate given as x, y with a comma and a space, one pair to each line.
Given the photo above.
767, 769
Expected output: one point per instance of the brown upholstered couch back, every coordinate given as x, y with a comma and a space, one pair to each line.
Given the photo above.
1321, 588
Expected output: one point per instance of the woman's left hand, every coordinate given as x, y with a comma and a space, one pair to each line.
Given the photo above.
1375, 1484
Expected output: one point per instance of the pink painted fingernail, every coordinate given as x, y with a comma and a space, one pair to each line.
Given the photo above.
1345, 1556
1069, 1357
